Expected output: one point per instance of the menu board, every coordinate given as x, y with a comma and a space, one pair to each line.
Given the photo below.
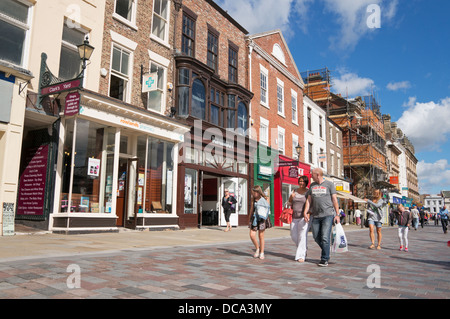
32, 183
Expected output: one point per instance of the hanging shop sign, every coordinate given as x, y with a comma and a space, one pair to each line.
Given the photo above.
72, 104
149, 82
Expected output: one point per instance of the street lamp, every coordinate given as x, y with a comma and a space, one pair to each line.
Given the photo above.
298, 149
85, 51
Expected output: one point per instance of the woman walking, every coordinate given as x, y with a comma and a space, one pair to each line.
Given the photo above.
228, 203
375, 217
404, 218
299, 226
259, 220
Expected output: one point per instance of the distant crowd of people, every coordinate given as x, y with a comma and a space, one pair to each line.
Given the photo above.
317, 208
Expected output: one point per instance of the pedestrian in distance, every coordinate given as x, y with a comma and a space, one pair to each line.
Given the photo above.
228, 204
422, 215
443, 215
299, 226
404, 218
259, 220
375, 217
322, 199
415, 217
358, 216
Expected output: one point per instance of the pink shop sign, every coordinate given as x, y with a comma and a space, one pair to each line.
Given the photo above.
32, 183
72, 104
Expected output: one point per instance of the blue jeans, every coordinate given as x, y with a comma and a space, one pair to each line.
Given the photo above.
321, 231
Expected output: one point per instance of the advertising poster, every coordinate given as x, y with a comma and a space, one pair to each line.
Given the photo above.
8, 219
32, 183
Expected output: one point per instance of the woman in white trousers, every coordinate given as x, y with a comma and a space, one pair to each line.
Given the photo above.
299, 226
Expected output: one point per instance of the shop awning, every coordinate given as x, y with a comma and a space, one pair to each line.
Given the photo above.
345, 195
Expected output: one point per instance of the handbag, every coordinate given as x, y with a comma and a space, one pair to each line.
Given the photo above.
340, 244
286, 215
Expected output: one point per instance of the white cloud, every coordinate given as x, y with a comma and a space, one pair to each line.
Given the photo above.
352, 85
395, 86
260, 15
351, 16
433, 177
426, 124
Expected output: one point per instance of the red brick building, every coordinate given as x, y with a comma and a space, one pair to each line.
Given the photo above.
277, 108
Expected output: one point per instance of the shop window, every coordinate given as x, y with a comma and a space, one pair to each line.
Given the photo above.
190, 191
158, 177
14, 29
69, 61
81, 186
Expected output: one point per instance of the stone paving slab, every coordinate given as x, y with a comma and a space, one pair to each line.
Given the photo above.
227, 270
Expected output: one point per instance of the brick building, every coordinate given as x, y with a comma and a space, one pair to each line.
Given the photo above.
115, 166
277, 112
212, 97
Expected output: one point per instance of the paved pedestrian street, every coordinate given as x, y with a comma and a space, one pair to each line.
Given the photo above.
229, 271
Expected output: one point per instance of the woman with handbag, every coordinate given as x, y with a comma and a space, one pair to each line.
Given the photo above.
375, 217
299, 226
259, 220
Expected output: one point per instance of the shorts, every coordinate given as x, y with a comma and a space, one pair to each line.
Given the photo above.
377, 224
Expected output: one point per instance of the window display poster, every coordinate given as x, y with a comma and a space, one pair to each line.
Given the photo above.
32, 183
93, 167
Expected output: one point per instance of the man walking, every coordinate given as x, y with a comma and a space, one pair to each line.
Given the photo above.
415, 217
443, 214
322, 199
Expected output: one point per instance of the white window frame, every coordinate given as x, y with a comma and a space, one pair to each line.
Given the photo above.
163, 63
310, 150
281, 141
294, 107
264, 135
165, 41
24, 26
280, 85
264, 72
71, 46
128, 45
132, 22
126, 77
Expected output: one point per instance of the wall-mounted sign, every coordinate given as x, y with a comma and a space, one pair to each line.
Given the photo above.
149, 82
72, 104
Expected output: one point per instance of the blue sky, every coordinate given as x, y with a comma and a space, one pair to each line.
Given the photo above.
403, 61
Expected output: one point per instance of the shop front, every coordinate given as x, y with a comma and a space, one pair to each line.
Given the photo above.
115, 167
264, 159
286, 181
212, 160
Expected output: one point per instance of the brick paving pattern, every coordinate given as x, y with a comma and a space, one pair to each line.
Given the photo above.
228, 271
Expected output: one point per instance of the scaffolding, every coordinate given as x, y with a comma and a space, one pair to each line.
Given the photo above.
362, 127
